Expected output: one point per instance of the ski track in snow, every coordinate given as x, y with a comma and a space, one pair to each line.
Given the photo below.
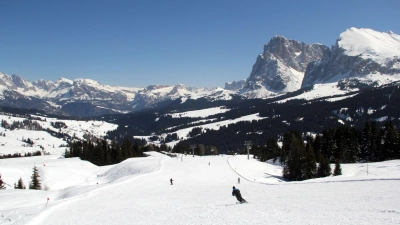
201, 194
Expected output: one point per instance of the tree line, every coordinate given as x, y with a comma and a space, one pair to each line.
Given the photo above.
16, 155
103, 153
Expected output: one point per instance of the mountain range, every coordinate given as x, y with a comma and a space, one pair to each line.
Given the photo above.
360, 59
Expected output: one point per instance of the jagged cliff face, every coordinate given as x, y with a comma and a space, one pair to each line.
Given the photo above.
235, 85
361, 58
281, 67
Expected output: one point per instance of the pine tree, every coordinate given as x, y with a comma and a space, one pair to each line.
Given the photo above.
287, 141
365, 141
311, 166
317, 146
35, 182
374, 151
2, 184
353, 146
20, 184
271, 151
391, 138
201, 149
296, 160
324, 167
338, 170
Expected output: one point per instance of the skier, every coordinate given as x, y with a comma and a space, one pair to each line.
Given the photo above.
238, 180
171, 181
236, 192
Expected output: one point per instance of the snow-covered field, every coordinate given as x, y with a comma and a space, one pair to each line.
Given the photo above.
12, 140
138, 191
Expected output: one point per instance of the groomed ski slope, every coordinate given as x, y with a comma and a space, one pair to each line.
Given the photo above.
138, 191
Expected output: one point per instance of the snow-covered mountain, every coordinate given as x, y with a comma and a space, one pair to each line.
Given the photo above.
361, 58
86, 97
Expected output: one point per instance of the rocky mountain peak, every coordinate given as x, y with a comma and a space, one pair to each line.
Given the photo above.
155, 87
63, 80
43, 84
235, 85
88, 82
19, 81
280, 68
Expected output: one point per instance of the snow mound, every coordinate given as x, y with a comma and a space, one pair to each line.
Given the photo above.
134, 166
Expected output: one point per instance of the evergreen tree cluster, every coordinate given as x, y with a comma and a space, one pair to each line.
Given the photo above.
310, 157
349, 145
16, 155
299, 159
199, 149
102, 153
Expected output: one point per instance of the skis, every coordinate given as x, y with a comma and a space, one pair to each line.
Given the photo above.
241, 202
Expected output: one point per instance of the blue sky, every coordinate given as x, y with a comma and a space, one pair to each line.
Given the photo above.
197, 43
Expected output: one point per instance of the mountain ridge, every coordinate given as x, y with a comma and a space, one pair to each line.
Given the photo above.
361, 58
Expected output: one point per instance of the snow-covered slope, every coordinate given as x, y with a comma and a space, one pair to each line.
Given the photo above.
138, 191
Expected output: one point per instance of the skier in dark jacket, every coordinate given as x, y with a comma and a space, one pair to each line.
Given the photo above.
236, 192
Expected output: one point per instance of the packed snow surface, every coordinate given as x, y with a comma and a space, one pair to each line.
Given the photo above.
138, 191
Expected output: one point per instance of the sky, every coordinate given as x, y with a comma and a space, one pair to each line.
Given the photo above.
136, 43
